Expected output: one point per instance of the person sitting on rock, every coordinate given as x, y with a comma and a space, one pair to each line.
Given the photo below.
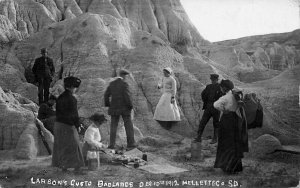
46, 113
92, 136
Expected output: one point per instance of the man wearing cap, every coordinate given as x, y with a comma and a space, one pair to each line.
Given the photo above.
67, 152
43, 71
209, 95
117, 98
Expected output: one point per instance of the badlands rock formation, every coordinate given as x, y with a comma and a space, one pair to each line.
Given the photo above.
18, 130
92, 39
258, 57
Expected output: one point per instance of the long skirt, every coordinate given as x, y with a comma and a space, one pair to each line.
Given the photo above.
66, 149
165, 110
229, 150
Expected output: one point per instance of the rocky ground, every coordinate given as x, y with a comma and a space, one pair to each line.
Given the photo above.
276, 170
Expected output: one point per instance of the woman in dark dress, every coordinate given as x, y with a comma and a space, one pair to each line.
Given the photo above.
233, 140
66, 150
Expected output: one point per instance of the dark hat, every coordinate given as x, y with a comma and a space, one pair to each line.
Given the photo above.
214, 76
72, 81
227, 84
44, 50
123, 72
97, 117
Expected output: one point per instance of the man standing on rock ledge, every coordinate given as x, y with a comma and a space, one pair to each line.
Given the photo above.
43, 71
209, 95
120, 104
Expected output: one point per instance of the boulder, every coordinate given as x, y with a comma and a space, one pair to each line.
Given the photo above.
30, 144
264, 145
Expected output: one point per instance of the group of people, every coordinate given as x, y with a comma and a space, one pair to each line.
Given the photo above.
219, 103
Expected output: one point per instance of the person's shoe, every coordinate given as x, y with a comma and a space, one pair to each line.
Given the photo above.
131, 147
111, 147
215, 137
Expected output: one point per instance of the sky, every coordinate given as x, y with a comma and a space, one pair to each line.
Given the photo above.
218, 20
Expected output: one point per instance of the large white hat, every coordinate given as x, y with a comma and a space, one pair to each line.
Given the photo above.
168, 69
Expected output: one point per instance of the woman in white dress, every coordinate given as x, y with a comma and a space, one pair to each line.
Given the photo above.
167, 111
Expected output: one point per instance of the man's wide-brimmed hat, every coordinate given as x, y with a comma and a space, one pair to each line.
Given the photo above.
214, 76
72, 81
168, 69
227, 84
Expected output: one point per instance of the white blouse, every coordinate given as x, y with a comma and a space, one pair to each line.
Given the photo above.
92, 136
226, 103
168, 84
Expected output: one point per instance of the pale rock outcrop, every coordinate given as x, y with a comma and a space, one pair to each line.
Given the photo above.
52, 7
15, 122
273, 51
26, 16
86, 38
72, 4
14, 80
261, 58
30, 144
29, 91
7, 31
103, 7
69, 14
10, 78
199, 68
7, 56
165, 19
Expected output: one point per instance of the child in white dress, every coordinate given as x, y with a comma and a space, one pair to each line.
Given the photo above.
92, 136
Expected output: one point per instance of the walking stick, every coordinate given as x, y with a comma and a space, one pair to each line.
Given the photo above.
42, 134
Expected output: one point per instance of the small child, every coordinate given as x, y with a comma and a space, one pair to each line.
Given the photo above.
92, 136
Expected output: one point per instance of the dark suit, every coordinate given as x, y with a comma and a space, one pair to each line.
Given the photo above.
117, 98
43, 71
209, 95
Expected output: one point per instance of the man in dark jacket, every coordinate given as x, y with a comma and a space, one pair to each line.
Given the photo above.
117, 98
43, 71
209, 95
